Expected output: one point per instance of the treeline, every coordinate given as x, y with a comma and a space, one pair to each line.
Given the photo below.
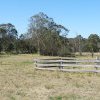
45, 37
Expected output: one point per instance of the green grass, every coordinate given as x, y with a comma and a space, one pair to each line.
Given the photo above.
56, 98
66, 97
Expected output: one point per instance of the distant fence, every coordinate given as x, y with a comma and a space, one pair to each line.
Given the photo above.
68, 64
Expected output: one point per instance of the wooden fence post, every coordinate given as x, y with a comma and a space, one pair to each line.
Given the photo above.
61, 62
97, 63
36, 62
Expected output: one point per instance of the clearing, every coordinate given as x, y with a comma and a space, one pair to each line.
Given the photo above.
20, 81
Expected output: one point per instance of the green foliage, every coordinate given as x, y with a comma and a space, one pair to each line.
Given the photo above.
48, 37
1, 47
90, 44
64, 51
93, 40
8, 37
10, 47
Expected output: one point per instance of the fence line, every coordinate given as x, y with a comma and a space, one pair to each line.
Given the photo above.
68, 65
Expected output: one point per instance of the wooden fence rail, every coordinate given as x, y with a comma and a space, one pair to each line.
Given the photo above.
68, 65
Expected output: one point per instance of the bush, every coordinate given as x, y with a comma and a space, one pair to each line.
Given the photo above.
64, 51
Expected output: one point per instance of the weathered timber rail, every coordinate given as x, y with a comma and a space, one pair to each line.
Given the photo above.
68, 64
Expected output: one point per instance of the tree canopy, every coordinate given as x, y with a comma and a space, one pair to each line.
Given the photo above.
46, 37
8, 37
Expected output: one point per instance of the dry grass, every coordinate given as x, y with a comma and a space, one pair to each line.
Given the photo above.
20, 81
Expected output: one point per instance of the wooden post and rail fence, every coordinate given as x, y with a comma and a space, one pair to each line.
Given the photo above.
68, 64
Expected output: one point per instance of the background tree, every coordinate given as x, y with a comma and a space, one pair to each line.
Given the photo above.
93, 41
79, 44
46, 34
8, 37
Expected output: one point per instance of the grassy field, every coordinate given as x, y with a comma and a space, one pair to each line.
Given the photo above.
20, 81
